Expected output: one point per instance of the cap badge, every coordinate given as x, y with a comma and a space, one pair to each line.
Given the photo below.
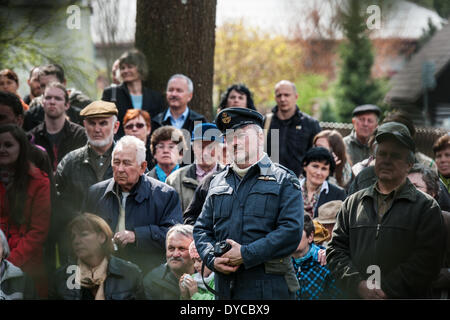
226, 118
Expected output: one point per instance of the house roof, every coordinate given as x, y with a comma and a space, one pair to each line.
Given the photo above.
406, 86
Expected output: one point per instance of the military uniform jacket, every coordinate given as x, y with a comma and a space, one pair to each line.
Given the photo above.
264, 213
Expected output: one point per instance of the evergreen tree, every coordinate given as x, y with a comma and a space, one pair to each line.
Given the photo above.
355, 85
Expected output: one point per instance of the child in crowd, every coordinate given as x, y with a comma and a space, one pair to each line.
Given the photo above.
314, 279
192, 286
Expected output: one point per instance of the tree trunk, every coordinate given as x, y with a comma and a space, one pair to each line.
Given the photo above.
179, 38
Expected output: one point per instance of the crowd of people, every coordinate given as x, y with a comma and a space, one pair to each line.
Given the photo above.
138, 196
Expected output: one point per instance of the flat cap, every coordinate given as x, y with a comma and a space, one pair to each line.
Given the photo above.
328, 211
233, 118
395, 130
99, 108
366, 108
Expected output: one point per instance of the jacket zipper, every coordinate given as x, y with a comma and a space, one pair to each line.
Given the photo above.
378, 230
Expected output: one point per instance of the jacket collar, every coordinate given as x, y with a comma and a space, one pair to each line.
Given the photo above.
408, 192
140, 190
264, 166
355, 140
114, 268
41, 128
325, 186
183, 116
297, 115
85, 151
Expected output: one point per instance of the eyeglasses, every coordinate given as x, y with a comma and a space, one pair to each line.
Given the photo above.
130, 126
161, 146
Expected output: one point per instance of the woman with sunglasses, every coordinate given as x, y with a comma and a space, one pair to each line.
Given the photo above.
138, 123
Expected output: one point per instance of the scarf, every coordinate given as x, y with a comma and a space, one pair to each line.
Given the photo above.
312, 252
309, 206
161, 174
93, 278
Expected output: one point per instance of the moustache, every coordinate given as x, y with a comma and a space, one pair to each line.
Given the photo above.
180, 259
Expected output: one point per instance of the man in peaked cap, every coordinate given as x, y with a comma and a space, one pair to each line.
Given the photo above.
83, 167
388, 240
186, 179
255, 206
365, 121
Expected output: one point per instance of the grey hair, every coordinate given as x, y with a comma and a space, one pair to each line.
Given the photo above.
186, 230
430, 178
286, 82
5, 245
187, 79
133, 141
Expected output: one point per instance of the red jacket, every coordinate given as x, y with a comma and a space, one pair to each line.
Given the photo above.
26, 240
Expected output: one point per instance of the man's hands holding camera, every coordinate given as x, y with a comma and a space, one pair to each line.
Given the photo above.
231, 260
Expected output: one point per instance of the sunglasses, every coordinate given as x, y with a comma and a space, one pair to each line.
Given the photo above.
131, 126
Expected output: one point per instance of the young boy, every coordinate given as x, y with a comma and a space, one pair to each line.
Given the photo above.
314, 279
192, 286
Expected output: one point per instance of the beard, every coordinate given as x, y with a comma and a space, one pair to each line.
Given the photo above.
102, 143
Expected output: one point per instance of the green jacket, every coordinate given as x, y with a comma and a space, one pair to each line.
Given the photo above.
355, 149
407, 244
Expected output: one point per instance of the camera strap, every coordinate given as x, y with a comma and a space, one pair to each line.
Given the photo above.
204, 282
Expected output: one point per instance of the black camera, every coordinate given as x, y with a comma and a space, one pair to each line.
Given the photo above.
220, 248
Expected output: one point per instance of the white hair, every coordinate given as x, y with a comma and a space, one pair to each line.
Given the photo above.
131, 141
286, 82
186, 230
5, 245
187, 79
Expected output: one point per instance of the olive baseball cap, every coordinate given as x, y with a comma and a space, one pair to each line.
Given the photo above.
395, 130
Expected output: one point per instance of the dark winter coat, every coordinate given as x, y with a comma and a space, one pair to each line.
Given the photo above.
73, 136
152, 207
123, 282
295, 138
407, 245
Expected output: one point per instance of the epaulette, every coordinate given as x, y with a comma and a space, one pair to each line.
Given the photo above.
291, 175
